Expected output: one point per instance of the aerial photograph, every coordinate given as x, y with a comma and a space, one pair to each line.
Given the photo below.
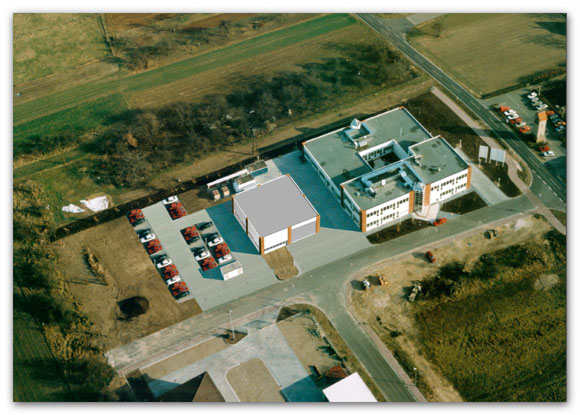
288, 207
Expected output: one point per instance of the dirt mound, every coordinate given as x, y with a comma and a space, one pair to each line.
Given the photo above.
134, 306
545, 282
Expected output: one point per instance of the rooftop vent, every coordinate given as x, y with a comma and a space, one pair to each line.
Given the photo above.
355, 124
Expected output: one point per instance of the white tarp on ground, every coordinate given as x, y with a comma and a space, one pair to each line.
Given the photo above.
97, 204
72, 209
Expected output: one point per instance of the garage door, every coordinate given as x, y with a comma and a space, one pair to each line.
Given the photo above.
303, 231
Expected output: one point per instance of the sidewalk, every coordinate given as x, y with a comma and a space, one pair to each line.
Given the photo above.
512, 164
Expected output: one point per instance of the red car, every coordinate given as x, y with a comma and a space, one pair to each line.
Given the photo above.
179, 290
170, 271
153, 246
543, 149
439, 221
430, 256
208, 263
190, 234
176, 210
136, 217
221, 250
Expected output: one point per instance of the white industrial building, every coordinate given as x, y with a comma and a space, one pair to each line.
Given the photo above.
275, 214
350, 389
387, 167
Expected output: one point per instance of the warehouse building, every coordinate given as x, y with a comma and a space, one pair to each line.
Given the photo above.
275, 214
387, 167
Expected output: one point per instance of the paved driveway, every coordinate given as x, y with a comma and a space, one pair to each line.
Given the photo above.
267, 344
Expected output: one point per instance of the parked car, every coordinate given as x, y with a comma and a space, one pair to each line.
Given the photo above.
170, 200
525, 129
225, 258
439, 221
549, 113
179, 290
201, 255
509, 112
543, 148
541, 107
205, 225
163, 261
147, 236
176, 210
547, 154
153, 246
513, 116
430, 256
521, 124
532, 94
515, 121
190, 234
136, 217
560, 129
215, 241
170, 271
173, 280
208, 263
537, 103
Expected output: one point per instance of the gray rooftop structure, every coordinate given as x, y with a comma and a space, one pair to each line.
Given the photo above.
438, 160
339, 158
275, 205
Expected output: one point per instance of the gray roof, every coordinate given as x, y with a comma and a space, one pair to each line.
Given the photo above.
439, 160
275, 205
340, 160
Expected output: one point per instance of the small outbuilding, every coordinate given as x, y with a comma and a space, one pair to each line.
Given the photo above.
275, 214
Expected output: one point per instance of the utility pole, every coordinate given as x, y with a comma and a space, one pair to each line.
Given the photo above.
232, 325
415, 372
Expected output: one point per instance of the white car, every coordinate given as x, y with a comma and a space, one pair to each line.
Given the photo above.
163, 262
509, 112
537, 103
148, 236
532, 94
215, 241
170, 200
513, 116
547, 154
521, 124
202, 255
173, 280
542, 107
225, 258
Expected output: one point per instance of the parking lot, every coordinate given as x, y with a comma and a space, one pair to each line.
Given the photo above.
521, 104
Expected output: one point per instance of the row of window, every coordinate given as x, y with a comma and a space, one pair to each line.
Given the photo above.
382, 220
275, 246
391, 206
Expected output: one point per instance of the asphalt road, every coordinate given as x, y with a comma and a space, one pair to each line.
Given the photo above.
326, 287
544, 184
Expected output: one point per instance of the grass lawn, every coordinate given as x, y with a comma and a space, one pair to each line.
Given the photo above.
47, 43
36, 375
464, 204
395, 231
489, 52
80, 118
506, 342
561, 216
174, 72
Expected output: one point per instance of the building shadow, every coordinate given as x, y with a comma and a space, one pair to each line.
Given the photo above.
304, 390
233, 234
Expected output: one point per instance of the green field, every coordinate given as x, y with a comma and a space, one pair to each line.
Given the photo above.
36, 374
489, 52
183, 69
80, 118
47, 43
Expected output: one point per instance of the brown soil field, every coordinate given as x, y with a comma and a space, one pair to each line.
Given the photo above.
489, 52
282, 263
227, 78
387, 309
253, 382
182, 359
300, 332
64, 80
128, 272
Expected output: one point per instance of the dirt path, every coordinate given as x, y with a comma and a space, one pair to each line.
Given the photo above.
512, 164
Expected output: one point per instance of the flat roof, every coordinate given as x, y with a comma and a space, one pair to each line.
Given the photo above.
339, 158
439, 160
393, 187
350, 389
275, 205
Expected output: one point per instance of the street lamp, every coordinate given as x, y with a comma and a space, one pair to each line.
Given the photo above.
232, 325
415, 371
